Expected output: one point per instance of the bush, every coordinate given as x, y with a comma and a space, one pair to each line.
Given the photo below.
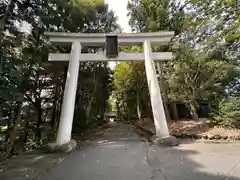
228, 112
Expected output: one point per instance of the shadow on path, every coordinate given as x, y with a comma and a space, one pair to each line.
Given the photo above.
121, 154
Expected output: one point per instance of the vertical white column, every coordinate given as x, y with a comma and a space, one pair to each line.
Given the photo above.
67, 112
155, 93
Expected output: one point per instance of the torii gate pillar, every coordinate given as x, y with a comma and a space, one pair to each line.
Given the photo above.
155, 94
66, 118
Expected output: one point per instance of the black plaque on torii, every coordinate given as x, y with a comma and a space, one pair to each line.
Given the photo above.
111, 46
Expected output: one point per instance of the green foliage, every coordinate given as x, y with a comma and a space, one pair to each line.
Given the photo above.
31, 87
228, 112
131, 89
9, 79
194, 77
156, 15
206, 66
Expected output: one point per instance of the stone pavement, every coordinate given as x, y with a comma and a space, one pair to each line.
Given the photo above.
120, 154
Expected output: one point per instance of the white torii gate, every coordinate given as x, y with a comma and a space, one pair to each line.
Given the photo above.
84, 39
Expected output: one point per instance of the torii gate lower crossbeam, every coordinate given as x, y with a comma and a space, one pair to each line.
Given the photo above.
66, 118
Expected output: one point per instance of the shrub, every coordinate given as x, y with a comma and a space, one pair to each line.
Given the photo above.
228, 112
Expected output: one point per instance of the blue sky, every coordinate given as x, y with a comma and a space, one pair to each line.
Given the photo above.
120, 9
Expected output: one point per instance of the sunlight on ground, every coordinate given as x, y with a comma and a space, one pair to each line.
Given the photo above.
39, 157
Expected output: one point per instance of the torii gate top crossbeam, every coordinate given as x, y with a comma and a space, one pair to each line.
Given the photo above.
98, 39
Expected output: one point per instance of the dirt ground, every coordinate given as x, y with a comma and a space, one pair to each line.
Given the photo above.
196, 129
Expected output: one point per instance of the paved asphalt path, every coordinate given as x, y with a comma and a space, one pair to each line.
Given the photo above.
120, 154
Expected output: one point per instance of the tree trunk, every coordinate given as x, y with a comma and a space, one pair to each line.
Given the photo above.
102, 110
12, 132
9, 125
38, 125
25, 137
193, 110
128, 114
139, 107
1, 113
174, 111
52, 123
51, 134
118, 108
89, 107
163, 91
209, 108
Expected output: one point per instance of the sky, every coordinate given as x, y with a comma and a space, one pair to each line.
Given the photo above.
120, 9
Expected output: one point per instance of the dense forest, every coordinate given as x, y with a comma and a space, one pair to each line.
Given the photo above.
31, 88
203, 79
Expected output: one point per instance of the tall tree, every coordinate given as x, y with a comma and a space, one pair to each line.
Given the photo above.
155, 15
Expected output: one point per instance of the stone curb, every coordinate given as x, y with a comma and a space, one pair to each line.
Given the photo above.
148, 134
143, 132
207, 141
